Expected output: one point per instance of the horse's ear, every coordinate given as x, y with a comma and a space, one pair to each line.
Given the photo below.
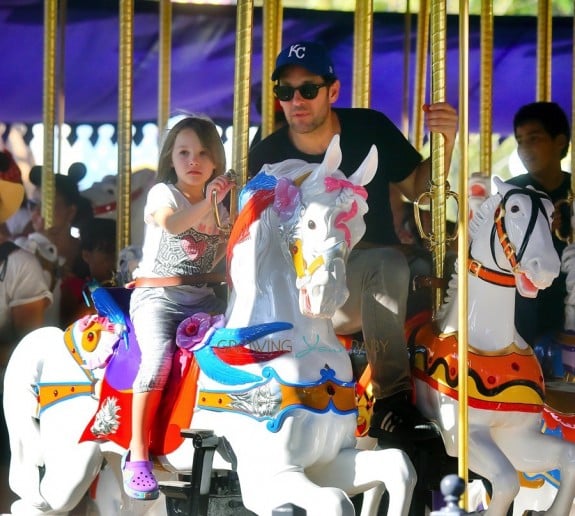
331, 160
502, 186
366, 171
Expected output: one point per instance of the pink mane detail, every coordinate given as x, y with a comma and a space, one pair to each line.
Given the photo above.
341, 222
332, 183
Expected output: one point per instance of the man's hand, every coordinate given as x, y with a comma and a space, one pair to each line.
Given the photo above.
442, 118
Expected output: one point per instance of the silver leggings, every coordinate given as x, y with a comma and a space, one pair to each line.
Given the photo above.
156, 317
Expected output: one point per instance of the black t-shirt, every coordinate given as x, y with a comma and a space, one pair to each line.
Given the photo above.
360, 129
545, 313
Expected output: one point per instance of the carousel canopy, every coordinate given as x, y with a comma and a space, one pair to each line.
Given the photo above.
203, 43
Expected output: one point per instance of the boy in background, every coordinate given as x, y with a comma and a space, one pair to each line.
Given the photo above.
543, 134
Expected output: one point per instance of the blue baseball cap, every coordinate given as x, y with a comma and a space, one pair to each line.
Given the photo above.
307, 54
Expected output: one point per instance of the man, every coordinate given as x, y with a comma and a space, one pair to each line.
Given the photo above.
543, 134
377, 274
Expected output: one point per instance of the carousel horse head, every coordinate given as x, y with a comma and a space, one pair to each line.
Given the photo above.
515, 239
319, 214
94, 338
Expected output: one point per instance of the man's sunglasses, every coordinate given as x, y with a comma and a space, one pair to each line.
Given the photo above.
307, 90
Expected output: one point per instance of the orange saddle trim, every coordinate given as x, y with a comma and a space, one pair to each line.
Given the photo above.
509, 380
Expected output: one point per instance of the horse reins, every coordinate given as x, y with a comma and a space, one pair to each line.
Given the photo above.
506, 279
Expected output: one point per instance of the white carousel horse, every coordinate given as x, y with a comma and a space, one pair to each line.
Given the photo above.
104, 197
511, 248
50, 393
274, 383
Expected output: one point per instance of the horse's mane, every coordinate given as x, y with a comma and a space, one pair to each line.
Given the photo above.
257, 195
483, 214
450, 294
112, 303
249, 213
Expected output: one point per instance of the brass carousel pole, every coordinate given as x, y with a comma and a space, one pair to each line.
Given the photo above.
60, 106
49, 109
272, 42
125, 122
463, 244
544, 36
243, 54
165, 66
406, 62
486, 89
362, 53
438, 172
422, 46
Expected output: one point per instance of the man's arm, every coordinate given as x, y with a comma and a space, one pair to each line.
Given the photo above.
440, 118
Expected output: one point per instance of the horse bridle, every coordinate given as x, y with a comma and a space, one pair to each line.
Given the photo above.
514, 258
302, 269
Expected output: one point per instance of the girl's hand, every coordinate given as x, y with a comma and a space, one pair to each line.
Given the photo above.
221, 186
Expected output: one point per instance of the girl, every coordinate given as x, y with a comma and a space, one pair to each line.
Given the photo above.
181, 241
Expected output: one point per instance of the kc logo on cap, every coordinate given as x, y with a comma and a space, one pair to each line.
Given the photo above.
297, 50
308, 54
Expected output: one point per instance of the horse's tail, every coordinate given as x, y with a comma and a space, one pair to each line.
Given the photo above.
20, 409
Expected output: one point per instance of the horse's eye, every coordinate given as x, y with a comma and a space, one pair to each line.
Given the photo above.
90, 340
311, 224
514, 208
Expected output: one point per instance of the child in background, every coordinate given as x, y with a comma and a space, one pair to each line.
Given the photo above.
181, 241
98, 252
543, 135
98, 248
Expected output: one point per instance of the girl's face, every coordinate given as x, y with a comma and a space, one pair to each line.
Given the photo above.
192, 161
